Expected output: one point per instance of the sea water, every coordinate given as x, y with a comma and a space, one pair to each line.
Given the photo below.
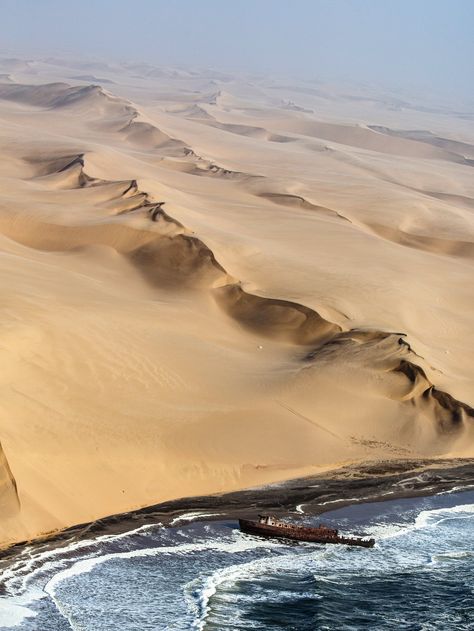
209, 576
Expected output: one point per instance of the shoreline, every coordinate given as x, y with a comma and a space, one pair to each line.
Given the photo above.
375, 481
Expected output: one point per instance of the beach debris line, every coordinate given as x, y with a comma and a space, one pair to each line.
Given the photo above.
269, 526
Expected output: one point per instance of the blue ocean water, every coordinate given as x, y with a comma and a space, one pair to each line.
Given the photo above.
209, 576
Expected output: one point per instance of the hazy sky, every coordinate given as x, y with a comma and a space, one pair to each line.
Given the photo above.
396, 42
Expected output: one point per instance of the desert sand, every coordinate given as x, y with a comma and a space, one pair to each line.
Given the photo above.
213, 282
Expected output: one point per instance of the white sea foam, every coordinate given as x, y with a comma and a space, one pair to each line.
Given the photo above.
283, 563
458, 489
425, 519
357, 500
30, 564
430, 518
23, 576
28, 574
191, 516
12, 614
229, 574
348, 499
239, 543
453, 556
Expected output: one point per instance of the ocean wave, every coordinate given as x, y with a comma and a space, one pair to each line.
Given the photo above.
431, 518
26, 568
412, 547
22, 578
250, 570
425, 519
449, 557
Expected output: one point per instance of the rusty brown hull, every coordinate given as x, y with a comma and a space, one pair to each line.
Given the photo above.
300, 533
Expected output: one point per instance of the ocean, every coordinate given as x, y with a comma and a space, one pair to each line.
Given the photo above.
206, 575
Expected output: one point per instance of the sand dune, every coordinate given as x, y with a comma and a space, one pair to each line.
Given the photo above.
300, 202
107, 112
52, 95
203, 168
159, 248
148, 136
195, 164
193, 111
456, 200
189, 308
246, 130
462, 149
428, 243
401, 377
373, 139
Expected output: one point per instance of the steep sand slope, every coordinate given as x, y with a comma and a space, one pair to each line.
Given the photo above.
164, 334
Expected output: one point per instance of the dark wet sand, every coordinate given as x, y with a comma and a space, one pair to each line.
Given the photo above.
371, 482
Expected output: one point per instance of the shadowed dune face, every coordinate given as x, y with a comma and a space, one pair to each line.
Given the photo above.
88, 98
449, 413
179, 261
436, 245
60, 172
47, 95
278, 319
149, 137
194, 164
140, 366
9, 502
296, 201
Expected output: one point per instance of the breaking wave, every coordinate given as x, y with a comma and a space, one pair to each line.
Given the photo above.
205, 576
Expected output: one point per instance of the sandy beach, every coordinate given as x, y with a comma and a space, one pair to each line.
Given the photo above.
215, 282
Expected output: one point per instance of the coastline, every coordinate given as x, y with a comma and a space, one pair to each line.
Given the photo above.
375, 481
226, 342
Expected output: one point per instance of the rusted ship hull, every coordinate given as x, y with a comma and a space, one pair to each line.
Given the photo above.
300, 533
